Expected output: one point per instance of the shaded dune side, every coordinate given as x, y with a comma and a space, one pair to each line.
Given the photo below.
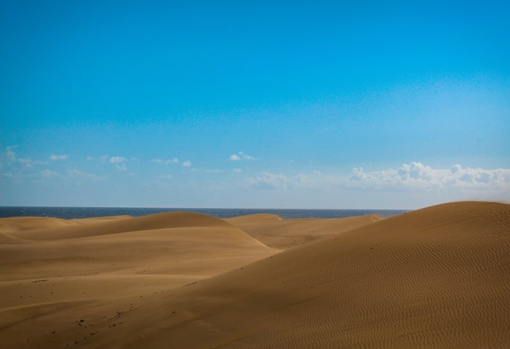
433, 278
151, 222
283, 234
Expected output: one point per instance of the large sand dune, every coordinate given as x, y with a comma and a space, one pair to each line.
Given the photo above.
433, 278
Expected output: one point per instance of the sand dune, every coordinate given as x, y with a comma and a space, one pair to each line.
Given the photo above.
115, 226
437, 277
433, 278
283, 234
103, 263
14, 224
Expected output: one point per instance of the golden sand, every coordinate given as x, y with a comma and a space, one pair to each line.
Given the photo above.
432, 278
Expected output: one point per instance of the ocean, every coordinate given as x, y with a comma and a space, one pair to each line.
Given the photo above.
87, 212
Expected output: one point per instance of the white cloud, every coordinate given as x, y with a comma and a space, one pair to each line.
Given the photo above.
54, 157
166, 177
238, 170
241, 156
14, 177
206, 170
29, 162
166, 162
121, 167
117, 159
455, 168
270, 181
408, 177
48, 174
103, 158
79, 177
418, 176
9, 155
17, 176
186, 163
112, 160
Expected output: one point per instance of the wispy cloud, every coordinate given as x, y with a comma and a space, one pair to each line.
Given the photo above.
207, 170
186, 163
238, 170
48, 174
241, 156
9, 157
166, 162
27, 162
14, 177
117, 159
80, 177
270, 181
54, 157
103, 158
72, 176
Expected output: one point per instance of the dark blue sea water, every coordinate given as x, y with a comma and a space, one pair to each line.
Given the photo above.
87, 212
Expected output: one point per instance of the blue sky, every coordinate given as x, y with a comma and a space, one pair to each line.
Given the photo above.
277, 104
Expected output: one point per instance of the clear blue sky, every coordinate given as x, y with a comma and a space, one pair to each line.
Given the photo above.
319, 104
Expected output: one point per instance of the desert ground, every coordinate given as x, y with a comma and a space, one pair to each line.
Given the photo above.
437, 277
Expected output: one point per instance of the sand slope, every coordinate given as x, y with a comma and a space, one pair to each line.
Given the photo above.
433, 278
283, 234
103, 263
